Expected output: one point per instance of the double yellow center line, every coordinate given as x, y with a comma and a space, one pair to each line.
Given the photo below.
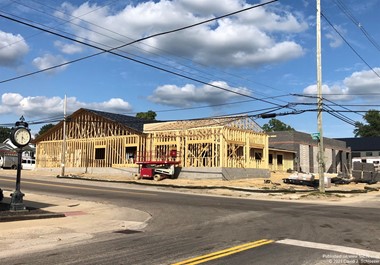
225, 252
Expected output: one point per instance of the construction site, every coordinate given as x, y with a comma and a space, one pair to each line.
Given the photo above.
223, 147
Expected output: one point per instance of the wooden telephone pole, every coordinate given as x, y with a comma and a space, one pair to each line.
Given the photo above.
321, 163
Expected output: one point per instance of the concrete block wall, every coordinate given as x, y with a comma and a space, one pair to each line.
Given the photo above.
223, 173
299, 142
183, 173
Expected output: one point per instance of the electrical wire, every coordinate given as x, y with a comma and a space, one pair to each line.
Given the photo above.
340, 117
135, 60
339, 105
208, 83
349, 45
349, 14
335, 113
117, 33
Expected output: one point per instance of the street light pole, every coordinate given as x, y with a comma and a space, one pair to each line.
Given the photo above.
321, 163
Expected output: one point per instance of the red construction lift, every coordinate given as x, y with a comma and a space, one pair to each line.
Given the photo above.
151, 167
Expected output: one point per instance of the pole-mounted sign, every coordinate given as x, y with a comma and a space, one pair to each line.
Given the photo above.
20, 137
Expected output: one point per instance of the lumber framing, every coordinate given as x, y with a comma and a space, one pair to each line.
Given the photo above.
229, 142
91, 141
94, 140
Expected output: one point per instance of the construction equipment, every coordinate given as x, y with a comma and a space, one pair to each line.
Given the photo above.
157, 166
156, 170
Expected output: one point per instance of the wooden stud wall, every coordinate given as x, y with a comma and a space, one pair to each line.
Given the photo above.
222, 145
212, 147
287, 161
85, 133
81, 153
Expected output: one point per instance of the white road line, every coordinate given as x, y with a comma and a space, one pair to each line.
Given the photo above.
342, 249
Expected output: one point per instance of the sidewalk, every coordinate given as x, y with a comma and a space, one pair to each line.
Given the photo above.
82, 221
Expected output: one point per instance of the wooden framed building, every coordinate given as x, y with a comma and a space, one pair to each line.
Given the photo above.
281, 159
96, 139
234, 142
93, 139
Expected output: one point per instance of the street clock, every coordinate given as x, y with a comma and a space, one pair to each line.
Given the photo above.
20, 134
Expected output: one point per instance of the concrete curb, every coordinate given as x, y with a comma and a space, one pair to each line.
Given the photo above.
26, 216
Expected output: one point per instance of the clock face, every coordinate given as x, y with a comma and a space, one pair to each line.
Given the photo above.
22, 136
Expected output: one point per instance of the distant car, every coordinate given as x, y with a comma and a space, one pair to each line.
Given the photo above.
28, 163
8, 161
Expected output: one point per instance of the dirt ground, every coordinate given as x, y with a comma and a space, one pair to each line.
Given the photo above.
273, 187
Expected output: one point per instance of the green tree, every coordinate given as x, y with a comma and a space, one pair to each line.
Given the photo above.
276, 125
372, 128
44, 129
4, 133
149, 115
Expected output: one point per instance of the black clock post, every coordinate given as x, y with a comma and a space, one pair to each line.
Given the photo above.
20, 137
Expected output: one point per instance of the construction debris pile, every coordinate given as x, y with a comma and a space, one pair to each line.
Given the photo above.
361, 173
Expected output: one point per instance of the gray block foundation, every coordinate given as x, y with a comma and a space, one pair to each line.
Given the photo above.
183, 173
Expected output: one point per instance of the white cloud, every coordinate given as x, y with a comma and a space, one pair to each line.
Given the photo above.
334, 39
11, 99
42, 106
334, 92
48, 60
116, 105
12, 49
252, 38
205, 8
364, 83
361, 85
190, 95
68, 48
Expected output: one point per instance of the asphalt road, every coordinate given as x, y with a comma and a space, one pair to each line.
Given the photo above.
193, 229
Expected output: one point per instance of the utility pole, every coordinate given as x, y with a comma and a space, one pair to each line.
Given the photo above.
321, 163
63, 157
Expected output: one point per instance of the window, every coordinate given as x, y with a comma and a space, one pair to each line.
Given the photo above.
130, 154
279, 159
258, 156
100, 153
355, 154
251, 152
240, 151
270, 159
368, 153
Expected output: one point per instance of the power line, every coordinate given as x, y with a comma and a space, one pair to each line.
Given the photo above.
333, 112
33, 35
208, 106
348, 13
349, 45
340, 117
335, 104
135, 60
339, 105
117, 33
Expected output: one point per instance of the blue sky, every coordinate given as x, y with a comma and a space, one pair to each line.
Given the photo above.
265, 53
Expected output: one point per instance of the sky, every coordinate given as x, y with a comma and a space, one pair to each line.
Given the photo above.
259, 60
